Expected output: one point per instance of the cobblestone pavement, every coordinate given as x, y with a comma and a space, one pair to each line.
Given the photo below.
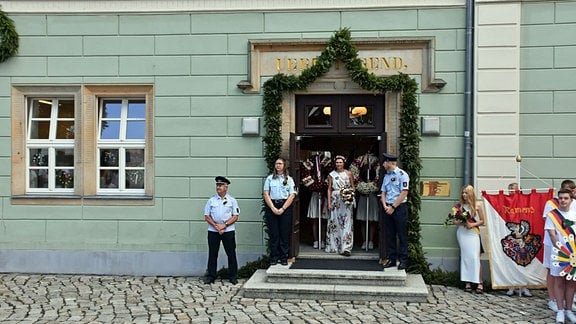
28, 298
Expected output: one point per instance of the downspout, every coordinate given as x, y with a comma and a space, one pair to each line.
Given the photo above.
468, 93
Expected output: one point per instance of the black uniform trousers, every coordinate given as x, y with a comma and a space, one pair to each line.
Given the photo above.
228, 239
397, 229
279, 228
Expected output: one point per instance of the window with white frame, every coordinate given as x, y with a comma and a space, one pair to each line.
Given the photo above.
82, 144
50, 145
121, 145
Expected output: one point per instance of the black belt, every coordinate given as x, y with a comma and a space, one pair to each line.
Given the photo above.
278, 201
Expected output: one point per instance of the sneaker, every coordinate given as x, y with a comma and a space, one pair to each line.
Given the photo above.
525, 292
510, 292
560, 317
370, 246
323, 245
552, 305
363, 246
571, 317
315, 245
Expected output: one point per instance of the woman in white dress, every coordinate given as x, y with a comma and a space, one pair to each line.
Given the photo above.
339, 232
468, 234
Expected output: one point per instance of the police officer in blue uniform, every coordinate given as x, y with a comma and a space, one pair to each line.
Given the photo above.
394, 195
279, 192
221, 212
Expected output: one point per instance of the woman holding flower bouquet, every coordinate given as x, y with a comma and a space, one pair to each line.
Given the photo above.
469, 215
339, 232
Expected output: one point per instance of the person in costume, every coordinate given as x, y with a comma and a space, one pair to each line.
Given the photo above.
339, 232
550, 280
560, 224
365, 170
314, 173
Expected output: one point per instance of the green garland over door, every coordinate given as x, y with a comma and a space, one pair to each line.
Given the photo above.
340, 48
8, 37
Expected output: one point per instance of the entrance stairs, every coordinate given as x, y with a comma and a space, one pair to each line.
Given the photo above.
283, 282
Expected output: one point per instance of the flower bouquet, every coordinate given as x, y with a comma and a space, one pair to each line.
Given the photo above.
347, 194
458, 214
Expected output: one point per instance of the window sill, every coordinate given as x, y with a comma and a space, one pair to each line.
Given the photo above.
100, 200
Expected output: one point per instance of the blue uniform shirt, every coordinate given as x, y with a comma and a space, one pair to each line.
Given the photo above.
221, 210
394, 182
277, 188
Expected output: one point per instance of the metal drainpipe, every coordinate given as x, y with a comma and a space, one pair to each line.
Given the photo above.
468, 93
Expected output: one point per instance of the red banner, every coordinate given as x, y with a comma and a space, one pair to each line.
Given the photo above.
516, 237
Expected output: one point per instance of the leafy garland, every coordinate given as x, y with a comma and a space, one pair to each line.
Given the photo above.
8, 37
341, 48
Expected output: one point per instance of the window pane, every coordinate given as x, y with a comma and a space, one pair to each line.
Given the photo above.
40, 130
39, 178
110, 130
65, 108
137, 109
109, 157
360, 116
65, 130
134, 179
108, 178
41, 108
134, 158
64, 157
65, 178
136, 129
38, 157
319, 115
111, 108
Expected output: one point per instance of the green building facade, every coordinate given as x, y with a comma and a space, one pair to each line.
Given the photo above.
143, 107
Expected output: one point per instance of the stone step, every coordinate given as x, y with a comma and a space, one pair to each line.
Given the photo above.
387, 277
258, 286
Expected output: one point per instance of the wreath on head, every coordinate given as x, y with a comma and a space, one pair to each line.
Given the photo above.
8, 37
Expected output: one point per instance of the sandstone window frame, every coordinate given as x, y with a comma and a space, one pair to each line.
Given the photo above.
86, 98
50, 133
121, 145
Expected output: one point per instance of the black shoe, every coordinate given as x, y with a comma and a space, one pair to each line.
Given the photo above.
389, 264
208, 281
402, 266
284, 262
233, 281
274, 262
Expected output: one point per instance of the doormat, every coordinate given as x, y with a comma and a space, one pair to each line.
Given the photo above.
338, 264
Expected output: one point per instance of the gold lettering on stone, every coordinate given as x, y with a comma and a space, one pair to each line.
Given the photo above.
293, 64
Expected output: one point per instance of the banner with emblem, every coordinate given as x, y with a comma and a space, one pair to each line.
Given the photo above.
516, 238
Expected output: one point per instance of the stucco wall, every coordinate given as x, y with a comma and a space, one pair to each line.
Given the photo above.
195, 60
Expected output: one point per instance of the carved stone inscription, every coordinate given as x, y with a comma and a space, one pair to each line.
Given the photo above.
383, 57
